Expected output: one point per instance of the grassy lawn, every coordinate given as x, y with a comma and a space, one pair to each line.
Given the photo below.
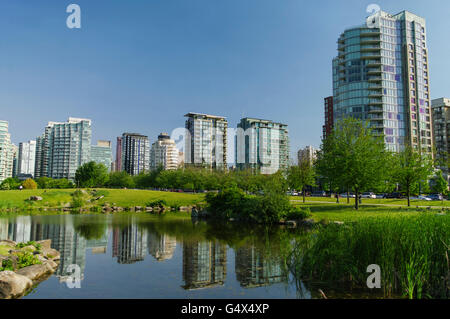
120, 197
394, 202
344, 212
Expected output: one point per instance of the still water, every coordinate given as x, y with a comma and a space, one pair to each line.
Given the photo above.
143, 256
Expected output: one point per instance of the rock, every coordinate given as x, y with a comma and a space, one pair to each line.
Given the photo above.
51, 253
35, 198
29, 248
13, 285
7, 242
184, 208
291, 223
338, 222
34, 272
138, 208
148, 209
53, 265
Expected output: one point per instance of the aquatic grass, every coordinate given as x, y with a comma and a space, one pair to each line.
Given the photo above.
410, 250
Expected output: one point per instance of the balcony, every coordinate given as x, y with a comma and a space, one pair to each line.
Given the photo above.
374, 79
370, 40
371, 55
370, 32
375, 102
372, 63
369, 47
373, 71
376, 109
375, 95
375, 87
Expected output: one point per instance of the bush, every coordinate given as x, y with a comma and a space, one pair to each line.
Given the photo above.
78, 199
29, 184
297, 213
157, 203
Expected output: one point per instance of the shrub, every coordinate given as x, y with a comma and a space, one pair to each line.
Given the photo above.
157, 203
29, 184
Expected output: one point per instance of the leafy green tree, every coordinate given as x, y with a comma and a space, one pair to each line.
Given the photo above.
91, 174
10, 183
301, 176
120, 179
440, 185
352, 157
411, 168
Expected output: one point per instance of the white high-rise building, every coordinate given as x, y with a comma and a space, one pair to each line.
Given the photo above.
26, 158
308, 153
6, 152
63, 148
164, 153
206, 143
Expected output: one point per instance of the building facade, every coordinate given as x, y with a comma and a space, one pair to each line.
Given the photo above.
441, 127
262, 145
26, 158
206, 141
102, 153
308, 153
164, 153
135, 153
118, 163
6, 152
328, 126
63, 148
381, 75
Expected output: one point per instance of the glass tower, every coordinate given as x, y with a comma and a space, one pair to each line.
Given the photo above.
381, 76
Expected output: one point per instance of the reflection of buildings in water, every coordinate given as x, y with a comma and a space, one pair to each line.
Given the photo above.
204, 264
129, 244
253, 269
20, 229
98, 246
4, 226
161, 247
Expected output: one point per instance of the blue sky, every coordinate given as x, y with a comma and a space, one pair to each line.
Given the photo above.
140, 65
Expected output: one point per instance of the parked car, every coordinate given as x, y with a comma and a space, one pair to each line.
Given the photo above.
435, 196
350, 195
394, 195
294, 194
379, 196
318, 194
368, 195
422, 197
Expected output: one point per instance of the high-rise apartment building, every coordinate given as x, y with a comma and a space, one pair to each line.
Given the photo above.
206, 141
63, 148
441, 128
328, 127
26, 158
102, 153
381, 75
164, 153
308, 153
6, 152
118, 165
135, 153
262, 145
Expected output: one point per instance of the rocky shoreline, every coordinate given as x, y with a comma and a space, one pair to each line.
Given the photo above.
17, 281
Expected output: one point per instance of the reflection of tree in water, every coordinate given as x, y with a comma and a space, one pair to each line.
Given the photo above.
90, 227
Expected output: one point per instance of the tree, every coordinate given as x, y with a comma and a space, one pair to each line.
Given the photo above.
411, 168
91, 174
301, 176
10, 183
352, 157
120, 179
29, 184
440, 185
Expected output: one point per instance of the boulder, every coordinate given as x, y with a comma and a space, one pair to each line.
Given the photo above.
29, 248
138, 208
7, 242
291, 223
13, 285
148, 209
51, 253
184, 208
35, 198
34, 272
45, 243
338, 222
53, 265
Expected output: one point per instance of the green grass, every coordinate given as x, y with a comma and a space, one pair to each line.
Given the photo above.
412, 252
118, 197
344, 212
4, 250
379, 201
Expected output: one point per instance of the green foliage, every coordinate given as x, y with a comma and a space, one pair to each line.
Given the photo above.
26, 259
352, 158
411, 168
29, 184
92, 228
157, 203
10, 183
121, 179
7, 264
50, 183
79, 199
440, 185
301, 176
91, 174
410, 250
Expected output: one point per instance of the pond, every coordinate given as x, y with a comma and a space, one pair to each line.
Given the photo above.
143, 256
